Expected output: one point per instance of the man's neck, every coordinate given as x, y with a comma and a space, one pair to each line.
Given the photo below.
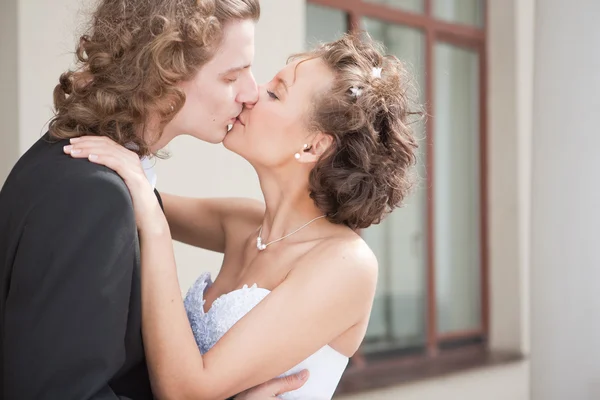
158, 140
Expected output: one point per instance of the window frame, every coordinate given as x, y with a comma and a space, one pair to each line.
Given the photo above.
475, 39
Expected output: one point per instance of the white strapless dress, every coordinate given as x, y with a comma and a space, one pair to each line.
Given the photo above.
326, 365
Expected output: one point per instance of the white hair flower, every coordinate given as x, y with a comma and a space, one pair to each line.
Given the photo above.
376, 72
356, 91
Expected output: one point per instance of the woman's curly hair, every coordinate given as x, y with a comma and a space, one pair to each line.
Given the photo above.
129, 62
370, 112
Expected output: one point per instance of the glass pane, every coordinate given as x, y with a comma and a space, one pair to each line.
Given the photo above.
416, 6
399, 312
324, 24
456, 154
468, 12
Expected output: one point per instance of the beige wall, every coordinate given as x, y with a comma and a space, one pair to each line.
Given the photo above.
46, 43
37, 42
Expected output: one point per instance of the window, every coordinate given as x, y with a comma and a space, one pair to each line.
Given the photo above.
432, 294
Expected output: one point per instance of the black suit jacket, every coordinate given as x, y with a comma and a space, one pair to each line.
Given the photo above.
70, 301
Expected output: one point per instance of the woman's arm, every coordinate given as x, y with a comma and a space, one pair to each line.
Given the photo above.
317, 302
205, 223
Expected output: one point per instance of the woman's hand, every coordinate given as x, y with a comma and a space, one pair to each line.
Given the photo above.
126, 163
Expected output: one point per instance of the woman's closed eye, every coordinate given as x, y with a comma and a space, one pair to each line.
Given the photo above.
272, 95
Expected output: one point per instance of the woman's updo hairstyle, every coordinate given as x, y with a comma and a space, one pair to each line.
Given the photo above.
370, 112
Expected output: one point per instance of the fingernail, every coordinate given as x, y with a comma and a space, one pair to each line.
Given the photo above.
304, 375
67, 148
92, 157
75, 151
74, 140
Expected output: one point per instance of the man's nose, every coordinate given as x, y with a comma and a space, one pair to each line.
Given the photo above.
249, 93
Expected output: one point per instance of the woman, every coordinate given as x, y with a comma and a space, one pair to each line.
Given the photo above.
331, 142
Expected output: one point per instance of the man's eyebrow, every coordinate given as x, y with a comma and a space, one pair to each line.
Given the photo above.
235, 69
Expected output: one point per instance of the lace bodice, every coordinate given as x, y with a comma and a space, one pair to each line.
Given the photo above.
326, 365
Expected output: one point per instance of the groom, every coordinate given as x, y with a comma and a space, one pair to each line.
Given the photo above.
70, 296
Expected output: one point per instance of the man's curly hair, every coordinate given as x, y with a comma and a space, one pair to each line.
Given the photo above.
130, 60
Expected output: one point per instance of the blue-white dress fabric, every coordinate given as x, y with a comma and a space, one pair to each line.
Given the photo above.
326, 366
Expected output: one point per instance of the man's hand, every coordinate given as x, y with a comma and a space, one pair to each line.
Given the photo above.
275, 387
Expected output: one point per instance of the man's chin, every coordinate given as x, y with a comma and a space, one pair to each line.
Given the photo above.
217, 137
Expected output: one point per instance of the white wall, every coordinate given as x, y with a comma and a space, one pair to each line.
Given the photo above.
565, 353
37, 44
47, 37
9, 134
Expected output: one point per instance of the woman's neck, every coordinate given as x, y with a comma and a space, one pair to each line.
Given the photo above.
288, 205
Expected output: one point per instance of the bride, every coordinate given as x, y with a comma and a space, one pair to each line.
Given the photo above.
331, 141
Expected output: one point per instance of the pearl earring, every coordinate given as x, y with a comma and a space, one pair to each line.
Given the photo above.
297, 155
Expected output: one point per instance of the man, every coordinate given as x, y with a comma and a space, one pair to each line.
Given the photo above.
70, 298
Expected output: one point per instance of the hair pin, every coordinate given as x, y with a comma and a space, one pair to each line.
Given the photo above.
356, 91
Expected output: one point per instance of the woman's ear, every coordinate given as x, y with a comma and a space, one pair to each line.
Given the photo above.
315, 148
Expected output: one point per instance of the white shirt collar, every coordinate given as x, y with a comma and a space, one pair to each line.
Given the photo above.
147, 166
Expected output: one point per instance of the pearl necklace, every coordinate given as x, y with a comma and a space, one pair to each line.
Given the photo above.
261, 246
